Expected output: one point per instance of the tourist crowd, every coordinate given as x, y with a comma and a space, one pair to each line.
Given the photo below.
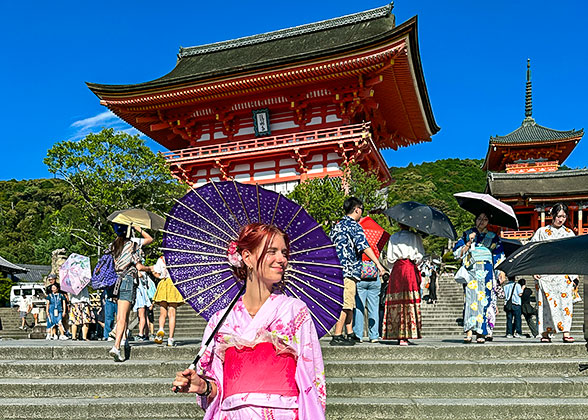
392, 294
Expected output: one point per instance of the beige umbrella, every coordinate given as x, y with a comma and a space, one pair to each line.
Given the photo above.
138, 217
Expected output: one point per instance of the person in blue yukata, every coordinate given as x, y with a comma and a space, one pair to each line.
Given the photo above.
350, 242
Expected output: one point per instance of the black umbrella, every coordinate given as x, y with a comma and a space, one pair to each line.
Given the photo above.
510, 246
423, 218
559, 256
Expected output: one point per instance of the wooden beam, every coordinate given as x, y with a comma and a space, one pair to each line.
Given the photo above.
158, 126
141, 120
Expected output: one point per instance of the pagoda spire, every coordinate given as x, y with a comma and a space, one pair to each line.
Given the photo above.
528, 98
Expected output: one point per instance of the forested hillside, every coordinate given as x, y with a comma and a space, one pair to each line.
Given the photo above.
434, 183
28, 209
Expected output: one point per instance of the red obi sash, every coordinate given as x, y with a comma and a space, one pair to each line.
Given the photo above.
259, 370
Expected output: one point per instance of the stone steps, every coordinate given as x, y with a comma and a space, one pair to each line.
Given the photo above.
348, 387
433, 379
172, 408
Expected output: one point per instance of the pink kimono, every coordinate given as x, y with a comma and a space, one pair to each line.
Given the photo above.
266, 367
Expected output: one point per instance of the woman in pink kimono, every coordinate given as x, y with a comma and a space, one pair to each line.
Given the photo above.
265, 362
554, 292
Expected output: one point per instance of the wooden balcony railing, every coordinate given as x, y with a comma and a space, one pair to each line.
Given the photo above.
526, 234
268, 143
517, 234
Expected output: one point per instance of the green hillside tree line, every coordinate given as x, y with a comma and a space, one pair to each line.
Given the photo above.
110, 170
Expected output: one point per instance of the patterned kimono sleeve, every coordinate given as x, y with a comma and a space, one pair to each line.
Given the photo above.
497, 250
457, 249
310, 370
211, 367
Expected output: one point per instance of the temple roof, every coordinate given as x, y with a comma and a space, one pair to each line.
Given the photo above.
562, 183
8, 267
365, 44
530, 140
270, 49
531, 132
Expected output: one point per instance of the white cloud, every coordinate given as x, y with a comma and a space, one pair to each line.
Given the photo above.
97, 120
96, 123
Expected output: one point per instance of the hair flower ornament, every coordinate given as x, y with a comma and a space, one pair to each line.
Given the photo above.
234, 257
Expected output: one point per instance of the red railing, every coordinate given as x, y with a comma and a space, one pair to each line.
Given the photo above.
517, 234
267, 143
526, 234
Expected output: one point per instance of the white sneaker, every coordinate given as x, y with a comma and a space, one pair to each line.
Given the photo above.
110, 338
54, 337
508, 336
115, 353
63, 337
516, 335
48, 337
171, 342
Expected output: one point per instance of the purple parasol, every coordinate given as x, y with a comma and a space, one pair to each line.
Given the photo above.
200, 226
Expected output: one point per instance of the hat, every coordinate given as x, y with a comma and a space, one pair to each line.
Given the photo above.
52, 276
120, 230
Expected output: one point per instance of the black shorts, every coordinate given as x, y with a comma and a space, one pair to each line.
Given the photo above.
150, 314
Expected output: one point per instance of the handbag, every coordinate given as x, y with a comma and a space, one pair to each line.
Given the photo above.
508, 304
104, 274
462, 276
369, 271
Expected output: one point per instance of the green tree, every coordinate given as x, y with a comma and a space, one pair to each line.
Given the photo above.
323, 198
5, 286
108, 171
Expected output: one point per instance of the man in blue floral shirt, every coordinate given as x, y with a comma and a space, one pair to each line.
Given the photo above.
350, 242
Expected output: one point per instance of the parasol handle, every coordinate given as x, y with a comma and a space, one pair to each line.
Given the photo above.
209, 339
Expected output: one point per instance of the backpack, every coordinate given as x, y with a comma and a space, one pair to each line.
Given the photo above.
104, 274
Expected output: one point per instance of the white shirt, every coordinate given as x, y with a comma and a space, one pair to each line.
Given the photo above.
160, 268
23, 304
405, 245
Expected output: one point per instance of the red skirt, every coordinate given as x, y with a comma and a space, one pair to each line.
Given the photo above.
402, 313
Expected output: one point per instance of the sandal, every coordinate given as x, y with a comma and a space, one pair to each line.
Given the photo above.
467, 340
480, 340
545, 340
568, 339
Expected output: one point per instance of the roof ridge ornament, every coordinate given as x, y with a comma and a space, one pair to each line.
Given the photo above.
528, 98
289, 32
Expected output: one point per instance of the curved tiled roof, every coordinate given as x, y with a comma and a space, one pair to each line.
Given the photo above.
9, 267
563, 182
531, 132
270, 49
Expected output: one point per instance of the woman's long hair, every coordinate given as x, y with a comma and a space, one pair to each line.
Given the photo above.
117, 246
251, 237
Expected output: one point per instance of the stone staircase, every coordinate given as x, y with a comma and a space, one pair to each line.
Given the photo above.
434, 379
440, 319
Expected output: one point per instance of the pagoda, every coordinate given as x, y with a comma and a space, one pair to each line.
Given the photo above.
285, 106
524, 172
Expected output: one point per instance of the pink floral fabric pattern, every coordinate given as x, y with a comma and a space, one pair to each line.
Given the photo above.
286, 323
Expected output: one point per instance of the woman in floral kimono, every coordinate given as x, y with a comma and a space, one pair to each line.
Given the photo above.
554, 292
265, 361
480, 251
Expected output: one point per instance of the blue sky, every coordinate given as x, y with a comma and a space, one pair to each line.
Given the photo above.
473, 53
